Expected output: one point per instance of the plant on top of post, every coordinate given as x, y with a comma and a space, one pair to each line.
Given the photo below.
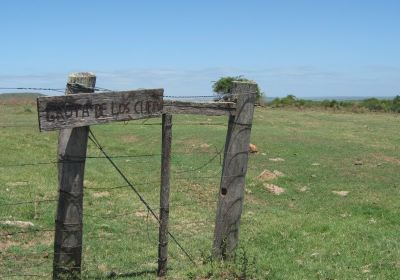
223, 88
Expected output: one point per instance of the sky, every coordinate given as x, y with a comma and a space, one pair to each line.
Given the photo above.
306, 48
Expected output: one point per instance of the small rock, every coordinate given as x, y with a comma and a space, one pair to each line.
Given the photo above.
313, 176
276, 159
205, 145
264, 154
358, 162
341, 193
252, 148
274, 189
315, 164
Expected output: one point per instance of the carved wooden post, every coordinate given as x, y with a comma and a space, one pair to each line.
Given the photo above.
164, 194
72, 144
229, 209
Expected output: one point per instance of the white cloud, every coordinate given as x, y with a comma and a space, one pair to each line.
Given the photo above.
303, 80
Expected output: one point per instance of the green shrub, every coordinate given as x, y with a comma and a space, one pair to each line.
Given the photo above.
373, 104
370, 104
395, 107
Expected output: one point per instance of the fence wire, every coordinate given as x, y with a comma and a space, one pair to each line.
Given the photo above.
191, 212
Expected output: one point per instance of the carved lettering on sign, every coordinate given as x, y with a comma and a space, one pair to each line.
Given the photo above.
87, 109
103, 110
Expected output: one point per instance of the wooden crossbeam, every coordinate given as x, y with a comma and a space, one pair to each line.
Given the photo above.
205, 108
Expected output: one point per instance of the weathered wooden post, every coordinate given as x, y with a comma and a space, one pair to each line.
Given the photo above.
72, 144
164, 194
229, 209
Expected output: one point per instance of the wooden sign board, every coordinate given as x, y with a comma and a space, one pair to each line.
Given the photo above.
83, 109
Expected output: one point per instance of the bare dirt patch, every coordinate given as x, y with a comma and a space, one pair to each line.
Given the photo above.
278, 173
267, 175
303, 189
130, 139
277, 159
191, 144
100, 194
17, 184
19, 224
5, 244
274, 189
89, 184
141, 214
341, 193
388, 159
46, 238
102, 267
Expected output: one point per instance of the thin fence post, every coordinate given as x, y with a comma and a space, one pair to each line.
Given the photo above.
72, 144
231, 192
164, 194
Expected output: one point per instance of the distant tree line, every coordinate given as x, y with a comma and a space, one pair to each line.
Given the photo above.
370, 104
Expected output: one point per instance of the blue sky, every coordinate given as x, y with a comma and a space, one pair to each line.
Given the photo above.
305, 48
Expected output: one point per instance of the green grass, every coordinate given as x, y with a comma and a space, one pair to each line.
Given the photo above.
312, 234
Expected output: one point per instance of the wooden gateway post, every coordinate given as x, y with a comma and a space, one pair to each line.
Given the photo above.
72, 144
72, 114
164, 194
80, 107
230, 199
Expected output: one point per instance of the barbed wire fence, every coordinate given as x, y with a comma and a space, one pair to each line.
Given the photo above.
27, 249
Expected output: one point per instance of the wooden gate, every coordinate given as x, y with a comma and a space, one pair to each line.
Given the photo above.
73, 113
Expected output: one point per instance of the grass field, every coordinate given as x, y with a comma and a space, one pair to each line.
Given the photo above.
307, 232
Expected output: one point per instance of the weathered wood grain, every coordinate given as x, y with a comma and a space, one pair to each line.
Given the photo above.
164, 194
84, 109
208, 109
230, 201
72, 144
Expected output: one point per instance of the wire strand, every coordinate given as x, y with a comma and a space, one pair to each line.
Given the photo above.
92, 138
